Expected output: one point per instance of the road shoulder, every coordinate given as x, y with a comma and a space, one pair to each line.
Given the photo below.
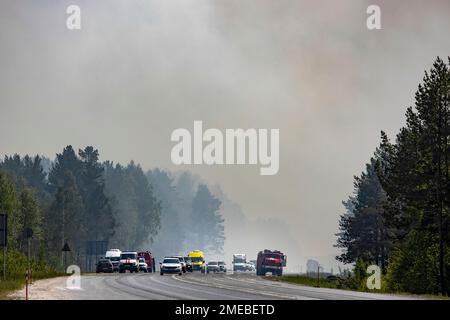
46, 289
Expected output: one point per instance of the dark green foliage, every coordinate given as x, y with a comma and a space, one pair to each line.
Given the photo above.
27, 172
148, 208
9, 205
206, 221
98, 212
136, 210
73, 205
77, 199
23, 211
417, 180
362, 231
65, 219
80, 210
413, 267
414, 175
17, 263
67, 161
29, 216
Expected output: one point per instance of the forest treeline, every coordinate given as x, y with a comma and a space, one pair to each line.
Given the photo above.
77, 199
398, 216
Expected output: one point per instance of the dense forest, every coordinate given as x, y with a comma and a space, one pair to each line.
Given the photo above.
398, 216
76, 199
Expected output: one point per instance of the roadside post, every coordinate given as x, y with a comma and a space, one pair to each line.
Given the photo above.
29, 235
26, 285
4, 239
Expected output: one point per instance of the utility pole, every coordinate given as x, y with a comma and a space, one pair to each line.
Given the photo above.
29, 255
26, 285
29, 235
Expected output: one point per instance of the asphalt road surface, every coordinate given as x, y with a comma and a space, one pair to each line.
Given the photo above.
190, 286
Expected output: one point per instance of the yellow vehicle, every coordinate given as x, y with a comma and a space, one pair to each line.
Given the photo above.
198, 260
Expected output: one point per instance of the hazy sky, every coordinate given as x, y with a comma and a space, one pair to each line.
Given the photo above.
137, 70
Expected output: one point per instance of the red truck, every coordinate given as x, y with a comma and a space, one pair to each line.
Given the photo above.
149, 260
270, 261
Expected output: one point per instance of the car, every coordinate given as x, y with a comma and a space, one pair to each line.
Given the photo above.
115, 262
188, 261
114, 256
250, 267
104, 265
142, 265
222, 266
212, 266
183, 263
129, 261
171, 265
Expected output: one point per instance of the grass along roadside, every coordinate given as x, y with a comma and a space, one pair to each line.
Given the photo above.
10, 285
16, 266
305, 280
324, 283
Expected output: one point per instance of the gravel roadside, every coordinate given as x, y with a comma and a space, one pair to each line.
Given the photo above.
46, 289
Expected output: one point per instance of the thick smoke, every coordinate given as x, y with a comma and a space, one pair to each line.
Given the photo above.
140, 69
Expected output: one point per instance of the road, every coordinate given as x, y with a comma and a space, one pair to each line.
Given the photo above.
195, 286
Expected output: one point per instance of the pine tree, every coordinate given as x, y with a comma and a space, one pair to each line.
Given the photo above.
120, 191
27, 172
414, 172
207, 222
99, 216
65, 219
135, 209
65, 161
362, 231
148, 207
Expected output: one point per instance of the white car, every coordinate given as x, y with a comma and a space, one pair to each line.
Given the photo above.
171, 265
250, 267
143, 265
182, 261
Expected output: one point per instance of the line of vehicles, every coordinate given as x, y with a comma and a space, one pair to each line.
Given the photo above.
143, 261
194, 261
121, 261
